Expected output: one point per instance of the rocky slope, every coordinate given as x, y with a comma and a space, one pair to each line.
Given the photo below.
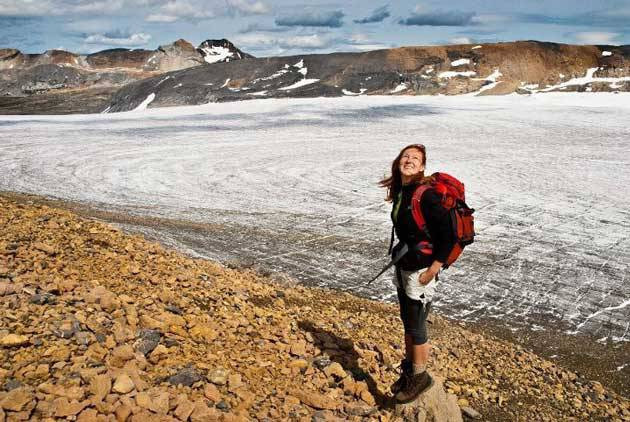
487, 69
97, 325
55, 70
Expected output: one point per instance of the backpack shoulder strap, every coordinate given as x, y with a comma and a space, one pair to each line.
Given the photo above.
416, 210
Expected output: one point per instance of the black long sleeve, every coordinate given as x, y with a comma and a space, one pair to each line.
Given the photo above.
439, 223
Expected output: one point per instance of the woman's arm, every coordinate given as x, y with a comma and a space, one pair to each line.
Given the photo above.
440, 228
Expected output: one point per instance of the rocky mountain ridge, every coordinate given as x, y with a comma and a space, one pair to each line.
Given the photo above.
98, 325
488, 69
26, 74
180, 74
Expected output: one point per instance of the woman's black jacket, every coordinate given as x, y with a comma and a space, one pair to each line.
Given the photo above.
438, 223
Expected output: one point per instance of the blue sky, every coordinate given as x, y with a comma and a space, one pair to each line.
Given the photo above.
282, 27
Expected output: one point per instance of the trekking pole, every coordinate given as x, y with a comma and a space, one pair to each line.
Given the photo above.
391, 263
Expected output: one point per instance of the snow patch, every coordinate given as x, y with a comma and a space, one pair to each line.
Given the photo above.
227, 81
303, 71
451, 74
168, 77
299, 64
299, 84
143, 105
274, 76
400, 87
216, 54
346, 92
106, 110
460, 62
259, 93
606, 53
589, 78
476, 47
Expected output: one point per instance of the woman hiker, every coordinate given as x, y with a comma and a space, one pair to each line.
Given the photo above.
416, 273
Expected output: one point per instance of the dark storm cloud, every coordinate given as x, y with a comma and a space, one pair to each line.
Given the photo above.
378, 15
333, 19
439, 18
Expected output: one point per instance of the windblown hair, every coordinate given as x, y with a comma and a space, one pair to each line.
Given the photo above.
393, 183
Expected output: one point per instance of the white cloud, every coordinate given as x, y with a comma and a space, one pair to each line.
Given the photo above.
161, 18
174, 10
131, 40
60, 7
596, 37
244, 7
460, 40
259, 41
490, 19
359, 38
314, 41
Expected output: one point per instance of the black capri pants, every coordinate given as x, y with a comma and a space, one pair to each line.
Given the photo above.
414, 317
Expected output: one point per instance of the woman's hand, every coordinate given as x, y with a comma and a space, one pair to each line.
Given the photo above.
425, 277
429, 274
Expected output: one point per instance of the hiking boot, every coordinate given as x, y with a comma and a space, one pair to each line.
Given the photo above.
415, 385
406, 371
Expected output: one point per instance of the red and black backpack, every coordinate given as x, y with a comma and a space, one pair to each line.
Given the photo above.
453, 199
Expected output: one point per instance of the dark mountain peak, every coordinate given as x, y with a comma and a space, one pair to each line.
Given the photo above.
216, 51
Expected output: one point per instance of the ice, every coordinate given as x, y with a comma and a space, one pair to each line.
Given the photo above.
451, 74
292, 185
143, 105
460, 62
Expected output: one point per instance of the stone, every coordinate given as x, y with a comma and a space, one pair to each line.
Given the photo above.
335, 369
470, 412
160, 403
433, 404
123, 384
187, 377
234, 382
88, 415
203, 333
16, 400
315, 400
367, 397
211, 392
359, 409
202, 413
298, 348
122, 412
218, 376
66, 408
100, 386
144, 400
14, 340
184, 409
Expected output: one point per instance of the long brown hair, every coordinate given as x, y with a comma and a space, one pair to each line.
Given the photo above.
393, 183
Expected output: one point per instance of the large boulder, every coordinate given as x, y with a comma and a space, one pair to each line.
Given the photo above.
434, 405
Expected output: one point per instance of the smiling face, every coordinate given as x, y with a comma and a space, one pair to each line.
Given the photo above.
411, 164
